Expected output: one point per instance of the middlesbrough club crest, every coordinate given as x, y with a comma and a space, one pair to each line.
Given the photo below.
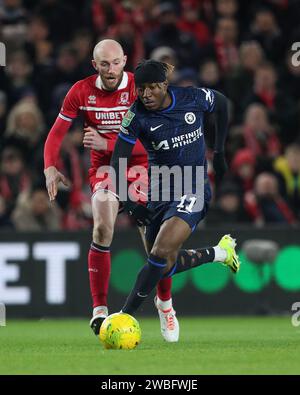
92, 99
124, 98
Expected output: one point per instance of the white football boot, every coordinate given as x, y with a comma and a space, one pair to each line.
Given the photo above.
99, 315
169, 324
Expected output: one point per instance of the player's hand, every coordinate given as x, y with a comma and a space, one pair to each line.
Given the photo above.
141, 214
93, 140
53, 178
220, 165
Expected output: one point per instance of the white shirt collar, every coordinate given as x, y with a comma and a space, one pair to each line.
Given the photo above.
123, 84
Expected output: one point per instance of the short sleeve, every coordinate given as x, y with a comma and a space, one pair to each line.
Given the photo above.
71, 103
206, 99
129, 126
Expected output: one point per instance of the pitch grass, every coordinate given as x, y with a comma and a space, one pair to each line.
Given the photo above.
245, 345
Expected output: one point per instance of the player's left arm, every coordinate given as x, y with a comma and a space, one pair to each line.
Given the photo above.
212, 101
221, 129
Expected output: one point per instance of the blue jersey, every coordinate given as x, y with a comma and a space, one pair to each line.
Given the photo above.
173, 136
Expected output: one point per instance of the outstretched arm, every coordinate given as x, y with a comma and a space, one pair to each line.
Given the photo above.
51, 152
55, 137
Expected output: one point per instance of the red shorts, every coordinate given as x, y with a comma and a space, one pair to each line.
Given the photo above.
137, 177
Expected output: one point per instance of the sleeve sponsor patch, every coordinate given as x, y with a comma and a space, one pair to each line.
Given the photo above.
128, 117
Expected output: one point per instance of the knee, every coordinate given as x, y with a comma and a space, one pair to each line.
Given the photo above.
169, 254
102, 233
164, 252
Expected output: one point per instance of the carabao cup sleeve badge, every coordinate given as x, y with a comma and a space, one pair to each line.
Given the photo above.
128, 117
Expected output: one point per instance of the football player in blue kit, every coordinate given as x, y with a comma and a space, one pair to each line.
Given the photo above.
168, 120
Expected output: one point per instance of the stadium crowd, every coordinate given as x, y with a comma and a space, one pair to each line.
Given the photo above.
243, 49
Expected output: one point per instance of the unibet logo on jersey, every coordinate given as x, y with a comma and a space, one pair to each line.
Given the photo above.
128, 117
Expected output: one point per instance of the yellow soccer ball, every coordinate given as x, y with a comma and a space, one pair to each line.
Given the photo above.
120, 331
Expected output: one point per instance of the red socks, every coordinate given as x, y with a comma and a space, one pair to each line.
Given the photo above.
99, 263
164, 288
99, 273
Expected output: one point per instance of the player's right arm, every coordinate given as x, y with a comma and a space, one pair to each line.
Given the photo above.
54, 140
124, 146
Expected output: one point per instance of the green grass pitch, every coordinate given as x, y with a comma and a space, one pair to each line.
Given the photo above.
248, 345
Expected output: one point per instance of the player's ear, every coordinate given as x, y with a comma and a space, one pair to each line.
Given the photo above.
124, 60
94, 65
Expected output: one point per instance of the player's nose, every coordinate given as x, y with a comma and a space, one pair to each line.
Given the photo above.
147, 93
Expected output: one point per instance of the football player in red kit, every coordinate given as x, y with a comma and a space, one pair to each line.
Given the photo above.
103, 99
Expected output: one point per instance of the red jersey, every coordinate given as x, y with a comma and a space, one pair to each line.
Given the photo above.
103, 110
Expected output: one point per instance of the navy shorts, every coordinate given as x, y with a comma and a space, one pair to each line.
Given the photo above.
185, 209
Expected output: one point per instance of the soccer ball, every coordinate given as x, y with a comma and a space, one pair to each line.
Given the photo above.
120, 331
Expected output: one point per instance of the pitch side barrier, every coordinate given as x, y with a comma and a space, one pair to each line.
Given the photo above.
45, 275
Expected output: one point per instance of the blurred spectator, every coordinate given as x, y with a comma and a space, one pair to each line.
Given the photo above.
259, 135
34, 212
282, 110
190, 22
3, 110
38, 46
14, 176
127, 32
243, 170
266, 31
65, 70
288, 170
265, 205
167, 34
80, 217
241, 79
13, 22
25, 124
164, 54
61, 19
145, 14
228, 208
226, 44
210, 76
100, 15
83, 45
187, 77
18, 76
227, 8
69, 164
167, 55
5, 221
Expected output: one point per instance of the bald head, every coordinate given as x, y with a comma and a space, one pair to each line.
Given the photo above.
109, 60
107, 47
